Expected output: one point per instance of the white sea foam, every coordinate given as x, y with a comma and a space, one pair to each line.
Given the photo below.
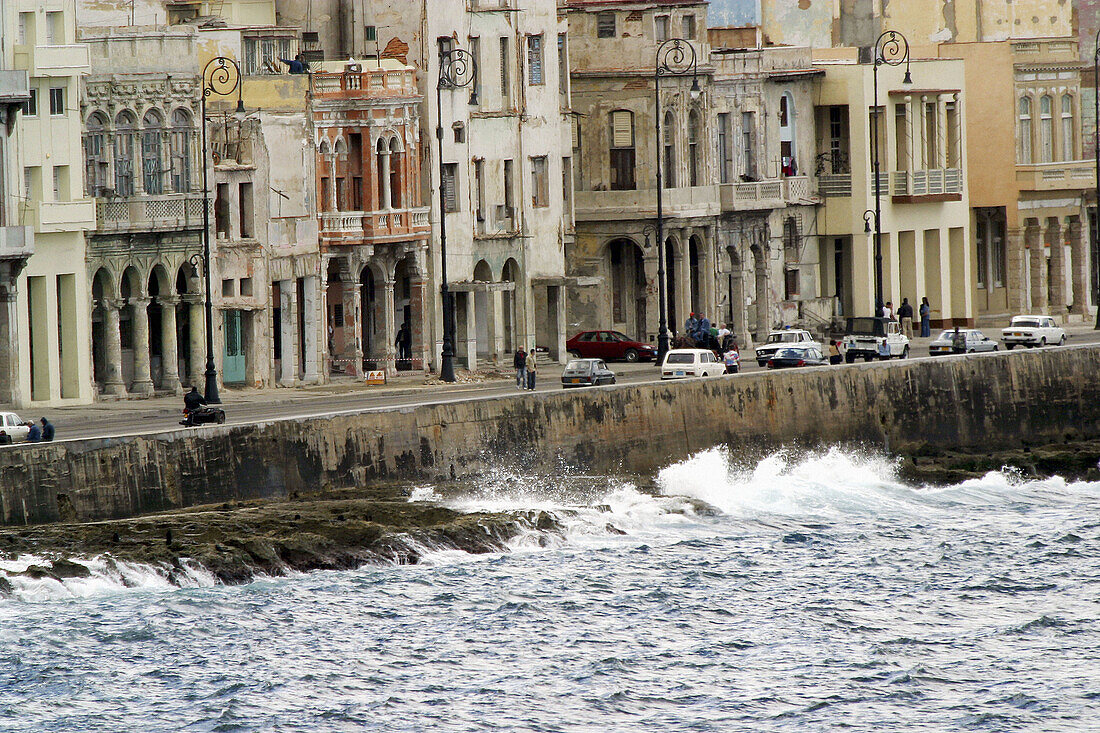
106, 575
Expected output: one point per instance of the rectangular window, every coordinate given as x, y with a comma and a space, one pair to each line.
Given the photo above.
479, 190
371, 33
790, 283
622, 155
661, 28
567, 190
338, 315
563, 70
838, 139
509, 186
901, 137
450, 187
245, 203
931, 136
1068, 147
30, 107
26, 29
57, 100
55, 28
724, 156
534, 60
999, 250
475, 53
61, 183
505, 74
246, 287
221, 211
981, 237
605, 25
229, 288
540, 182
688, 23
748, 145
953, 147
32, 183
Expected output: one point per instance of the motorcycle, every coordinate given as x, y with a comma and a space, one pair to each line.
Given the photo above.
202, 416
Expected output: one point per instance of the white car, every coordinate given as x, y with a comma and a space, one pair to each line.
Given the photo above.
682, 363
1033, 331
13, 429
975, 341
782, 339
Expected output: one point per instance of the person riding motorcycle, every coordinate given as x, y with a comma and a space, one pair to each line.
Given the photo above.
193, 400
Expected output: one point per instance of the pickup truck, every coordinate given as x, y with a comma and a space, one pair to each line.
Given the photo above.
874, 338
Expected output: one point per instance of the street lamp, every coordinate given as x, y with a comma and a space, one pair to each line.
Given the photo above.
675, 57
868, 217
1096, 146
457, 69
891, 49
220, 76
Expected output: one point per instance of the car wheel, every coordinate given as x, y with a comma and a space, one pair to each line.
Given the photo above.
5, 439
996, 348
612, 381
1042, 342
575, 354
1009, 346
849, 358
220, 417
905, 353
868, 359
1062, 341
631, 355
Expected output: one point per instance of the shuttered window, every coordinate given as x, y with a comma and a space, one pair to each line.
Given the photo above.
534, 60
450, 187
622, 129
622, 151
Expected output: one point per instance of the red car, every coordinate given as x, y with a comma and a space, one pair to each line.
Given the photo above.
608, 345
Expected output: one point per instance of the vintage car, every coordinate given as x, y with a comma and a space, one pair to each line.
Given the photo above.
782, 339
681, 363
797, 356
975, 341
586, 373
874, 338
609, 345
1032, 331
13, 429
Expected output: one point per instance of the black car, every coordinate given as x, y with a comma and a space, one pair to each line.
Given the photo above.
797, 356
586, 373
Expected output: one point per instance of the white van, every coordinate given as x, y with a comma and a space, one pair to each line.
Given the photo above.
681, 363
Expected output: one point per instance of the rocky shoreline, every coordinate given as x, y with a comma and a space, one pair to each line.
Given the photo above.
334, 530
1073, 460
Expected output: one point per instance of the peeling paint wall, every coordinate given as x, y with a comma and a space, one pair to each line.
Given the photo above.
988, 401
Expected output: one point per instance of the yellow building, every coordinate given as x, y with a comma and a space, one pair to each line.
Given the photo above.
54, 345
925, 208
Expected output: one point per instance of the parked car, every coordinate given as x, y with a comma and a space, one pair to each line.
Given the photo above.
1032, 331
874, 338
732, 359
681, 363
586, 373
975, 341
13, 429
608, 345
781, 339
797, 356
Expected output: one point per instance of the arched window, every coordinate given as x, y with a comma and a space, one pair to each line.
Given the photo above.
669, 143
1023, 131
151, 134
1069, 144
181, 151
622, 151
695, 149
325, 204
382, 176
339, 168
95, 154
395, 174
786, 135
125, 130
1046, 129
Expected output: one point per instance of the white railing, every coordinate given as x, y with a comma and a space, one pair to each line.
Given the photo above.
931, 182
150, 212
421, 218
798, 188
341, 221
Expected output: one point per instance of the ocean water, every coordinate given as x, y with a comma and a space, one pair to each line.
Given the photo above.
805, 592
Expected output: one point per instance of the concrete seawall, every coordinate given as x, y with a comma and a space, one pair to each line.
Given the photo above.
989, 400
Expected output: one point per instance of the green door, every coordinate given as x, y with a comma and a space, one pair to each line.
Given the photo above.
233, 364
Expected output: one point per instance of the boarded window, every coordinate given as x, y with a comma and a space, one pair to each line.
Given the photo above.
540, 182
605, 25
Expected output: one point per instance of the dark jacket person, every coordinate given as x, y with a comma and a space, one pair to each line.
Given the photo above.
47, 430
193, 400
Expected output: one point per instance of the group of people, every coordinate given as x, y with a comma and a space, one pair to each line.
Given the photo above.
526, 368
43, 434
904, 316
700, 333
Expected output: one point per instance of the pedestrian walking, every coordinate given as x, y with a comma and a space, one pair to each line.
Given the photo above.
519, 363
403, 342
958, 341
47, 431
925, 318
532, 367
905, 314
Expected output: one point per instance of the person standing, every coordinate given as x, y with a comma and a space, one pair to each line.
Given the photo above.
888, 311
532, 367
519, 363
905, 314
835, 357
925, 318
47, 431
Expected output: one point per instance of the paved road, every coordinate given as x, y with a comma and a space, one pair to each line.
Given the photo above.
111, 419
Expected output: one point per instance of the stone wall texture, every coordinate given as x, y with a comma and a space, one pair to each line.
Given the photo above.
990, 400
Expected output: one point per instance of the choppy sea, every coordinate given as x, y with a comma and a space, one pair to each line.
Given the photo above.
805, 592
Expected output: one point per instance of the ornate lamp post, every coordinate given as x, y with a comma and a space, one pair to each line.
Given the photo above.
220, 76
675, 57
891, 49
1096, 146
457, 69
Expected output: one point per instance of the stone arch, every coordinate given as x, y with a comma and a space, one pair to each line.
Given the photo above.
483, 311
626, 280
104, 318
696, 271
512, 304
760, 254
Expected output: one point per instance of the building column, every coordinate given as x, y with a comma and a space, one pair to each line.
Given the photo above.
112, 367
683, 286
288, 332
652, 323
170, 370
9, 331
384, 187
143, 381
1037, 259
494, 305
1079, 254
353, 322
313, 332
1015, 264
471, 329
1057, 266
389, 329
418, 323
198, 343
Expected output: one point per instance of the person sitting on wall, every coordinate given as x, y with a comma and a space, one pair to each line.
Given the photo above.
35, 434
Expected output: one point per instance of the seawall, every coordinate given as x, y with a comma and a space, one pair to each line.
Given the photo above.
979, 401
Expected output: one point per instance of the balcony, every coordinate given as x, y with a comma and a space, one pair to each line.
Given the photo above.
1061, 176
64, 216
69, 60
769, 194
355, 227
16, 243
626, 205
166, 212
13, 87
934, 184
